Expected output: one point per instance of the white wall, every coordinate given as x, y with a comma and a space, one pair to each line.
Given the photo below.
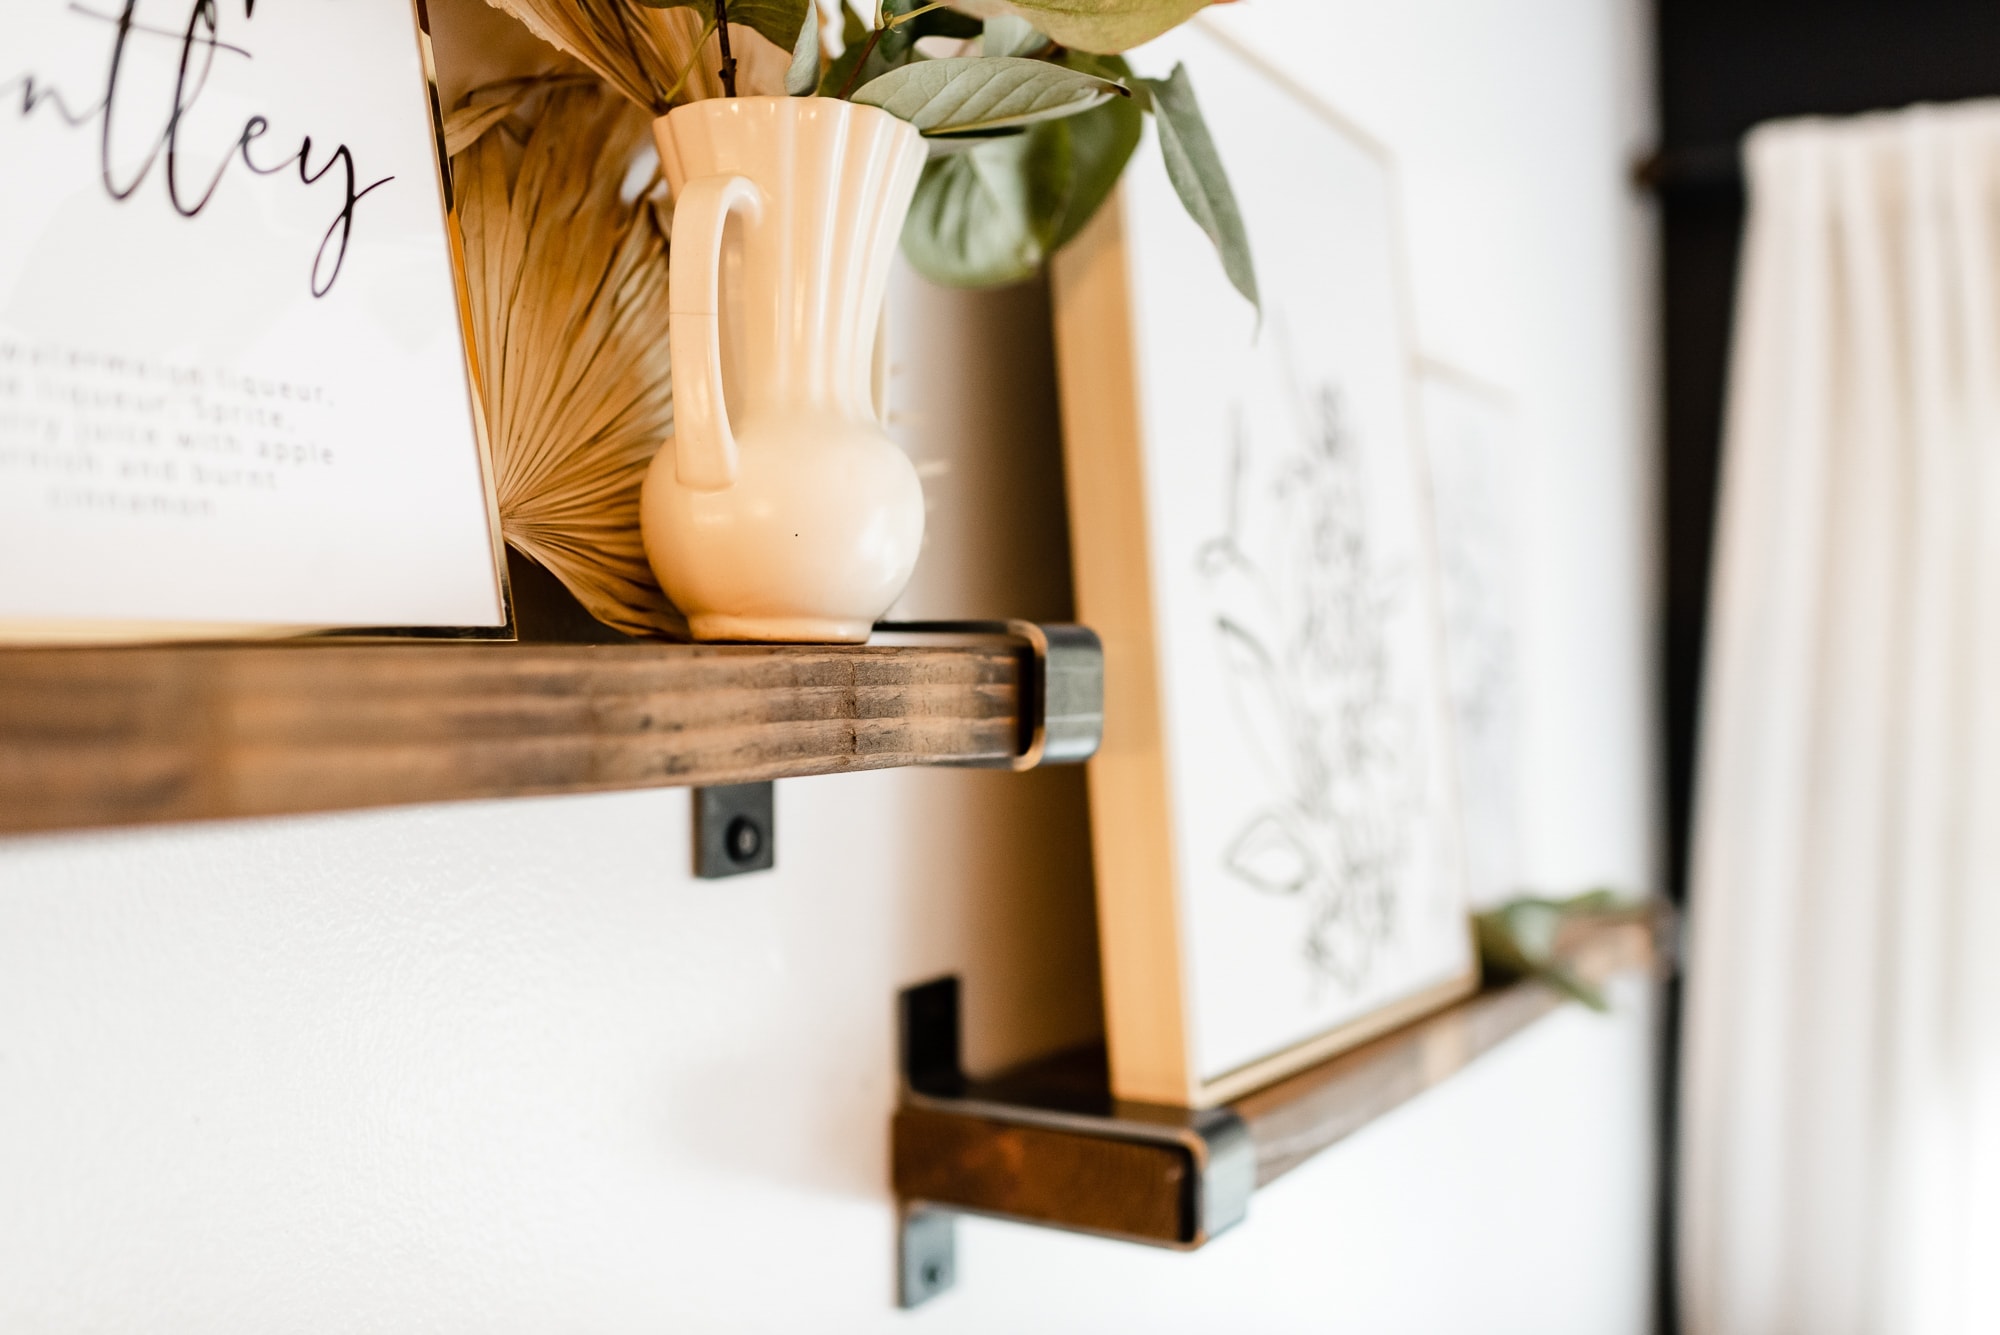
506, 1067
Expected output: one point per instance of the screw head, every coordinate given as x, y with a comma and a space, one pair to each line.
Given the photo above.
743, 840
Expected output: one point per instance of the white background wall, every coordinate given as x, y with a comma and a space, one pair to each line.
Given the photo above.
507, 1067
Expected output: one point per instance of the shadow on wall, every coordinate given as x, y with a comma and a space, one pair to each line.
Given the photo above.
1017, 921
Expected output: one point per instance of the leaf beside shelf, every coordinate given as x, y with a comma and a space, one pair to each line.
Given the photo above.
1195, 168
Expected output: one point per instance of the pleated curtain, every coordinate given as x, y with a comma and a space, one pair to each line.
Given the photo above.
1840, 1159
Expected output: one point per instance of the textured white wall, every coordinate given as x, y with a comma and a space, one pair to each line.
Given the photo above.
506, 1067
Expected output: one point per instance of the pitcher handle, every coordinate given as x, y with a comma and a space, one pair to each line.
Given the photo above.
704, 445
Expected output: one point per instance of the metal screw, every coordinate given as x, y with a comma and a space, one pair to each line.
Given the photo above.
933, 1274
743, 839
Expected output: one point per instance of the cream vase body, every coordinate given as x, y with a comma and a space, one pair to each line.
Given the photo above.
780, 510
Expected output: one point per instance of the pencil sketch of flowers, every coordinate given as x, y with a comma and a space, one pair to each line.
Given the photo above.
1303, 618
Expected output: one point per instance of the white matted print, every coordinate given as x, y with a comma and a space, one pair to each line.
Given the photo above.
1469, 429
234, 389
1278, 857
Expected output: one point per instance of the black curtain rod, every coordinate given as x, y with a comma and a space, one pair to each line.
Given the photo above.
1713, 168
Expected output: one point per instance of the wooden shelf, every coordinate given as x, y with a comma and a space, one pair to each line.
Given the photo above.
1047, 1144
121, 736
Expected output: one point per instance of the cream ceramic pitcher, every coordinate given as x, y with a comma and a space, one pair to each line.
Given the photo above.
780, 509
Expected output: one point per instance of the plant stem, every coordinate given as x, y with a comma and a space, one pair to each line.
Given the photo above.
900, 19
854, 75
680, 80
728, 70
875, 38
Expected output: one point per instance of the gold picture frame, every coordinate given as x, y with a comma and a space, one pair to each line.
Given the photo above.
1230, 801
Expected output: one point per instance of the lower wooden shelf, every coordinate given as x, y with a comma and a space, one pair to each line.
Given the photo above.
120, 736
1048, 1144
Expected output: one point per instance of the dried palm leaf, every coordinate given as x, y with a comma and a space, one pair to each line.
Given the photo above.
656, 57
568, 280
497, 103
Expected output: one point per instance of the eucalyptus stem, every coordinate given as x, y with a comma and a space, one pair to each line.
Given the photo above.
854, 75
728, 70
875, 38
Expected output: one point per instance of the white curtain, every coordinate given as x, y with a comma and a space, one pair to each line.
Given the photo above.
1840, 1166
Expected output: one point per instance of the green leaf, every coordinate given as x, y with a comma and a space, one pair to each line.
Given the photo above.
972, 223
1006, 35
1103, 26
778, 21
995, 212
802, 79
1518, 940
1101, 143
1195, 168
1108, 67
984, 93
887, 53
946, 23
853, 28
897, 44
971, 139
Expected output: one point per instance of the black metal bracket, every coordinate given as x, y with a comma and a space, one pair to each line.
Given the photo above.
735, 830
1062, 723
1048, 1143
926, 1255
1188, 1173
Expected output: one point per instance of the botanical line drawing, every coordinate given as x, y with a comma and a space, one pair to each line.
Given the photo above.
1467, 434
1304, 611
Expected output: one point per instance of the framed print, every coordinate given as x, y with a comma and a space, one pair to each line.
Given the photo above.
235, 391
1469, 435
1276, 838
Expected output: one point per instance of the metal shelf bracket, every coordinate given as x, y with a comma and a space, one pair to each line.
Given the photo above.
1073, 1157
735, 830
1062, 712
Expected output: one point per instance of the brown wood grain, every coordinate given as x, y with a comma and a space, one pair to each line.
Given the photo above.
95, 737
1297, 1118
1093, 1183
1045, 1142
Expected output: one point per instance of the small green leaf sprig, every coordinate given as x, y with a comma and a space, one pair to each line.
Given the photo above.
1519, 939
1028, 137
